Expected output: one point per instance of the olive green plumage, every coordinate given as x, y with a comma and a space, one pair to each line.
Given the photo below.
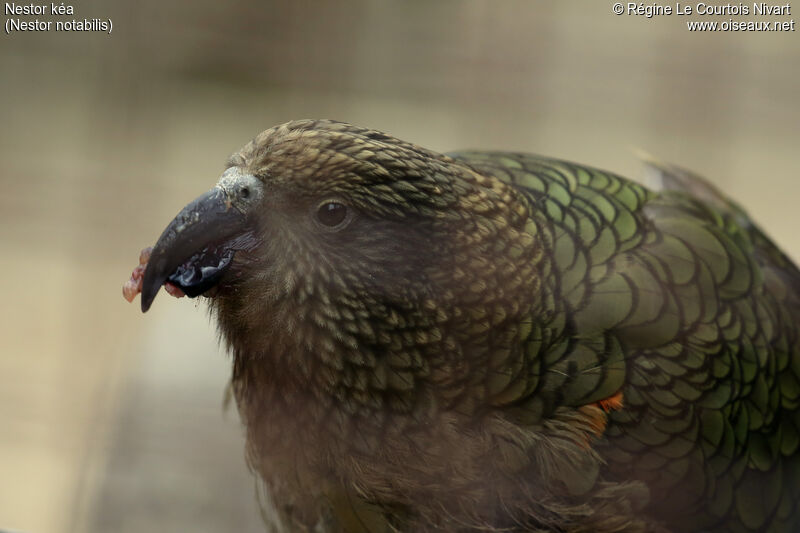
702, 313
497, 341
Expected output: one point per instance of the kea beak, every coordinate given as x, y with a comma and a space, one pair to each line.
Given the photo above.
195, 249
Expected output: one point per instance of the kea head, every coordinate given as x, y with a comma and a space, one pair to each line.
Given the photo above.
372, 270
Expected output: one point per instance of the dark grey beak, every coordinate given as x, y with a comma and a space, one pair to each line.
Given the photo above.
202, 227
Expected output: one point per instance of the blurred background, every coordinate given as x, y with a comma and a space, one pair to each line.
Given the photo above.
111, 420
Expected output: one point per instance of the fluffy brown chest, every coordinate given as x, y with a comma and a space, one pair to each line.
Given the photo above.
313, 452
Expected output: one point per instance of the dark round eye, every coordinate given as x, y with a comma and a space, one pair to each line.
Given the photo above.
331, 214
245, 192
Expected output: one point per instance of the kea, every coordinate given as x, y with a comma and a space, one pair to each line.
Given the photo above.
493, 341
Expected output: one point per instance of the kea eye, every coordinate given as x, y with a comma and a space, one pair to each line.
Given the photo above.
331, 214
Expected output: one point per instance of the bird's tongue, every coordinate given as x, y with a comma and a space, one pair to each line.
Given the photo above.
203, 270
